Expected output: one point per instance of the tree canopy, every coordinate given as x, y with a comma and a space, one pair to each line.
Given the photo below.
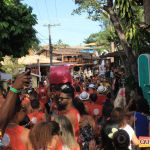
130, 14
9, 67
60, 44
16, 28
124, 17
102, 39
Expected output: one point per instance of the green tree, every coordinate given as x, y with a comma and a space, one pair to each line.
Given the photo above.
16, 28
102, 39
9, 67
60, 44
123, 15
147, 11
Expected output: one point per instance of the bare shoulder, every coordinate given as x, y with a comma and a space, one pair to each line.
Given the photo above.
26, 131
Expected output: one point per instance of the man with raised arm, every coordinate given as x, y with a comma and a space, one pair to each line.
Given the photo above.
7, 111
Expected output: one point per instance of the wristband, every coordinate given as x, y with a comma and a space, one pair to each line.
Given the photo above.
14, 90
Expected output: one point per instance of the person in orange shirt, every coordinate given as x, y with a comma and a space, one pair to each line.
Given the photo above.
101, 96
92, 108
25, 100
36, 116
42, 94
101, 90
17, 134
32, 96
65, 106
7, 111
92, 88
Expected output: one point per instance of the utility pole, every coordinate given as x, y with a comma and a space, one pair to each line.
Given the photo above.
50, 41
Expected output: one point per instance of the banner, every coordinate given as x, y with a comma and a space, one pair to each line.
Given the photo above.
60, 74
144, 141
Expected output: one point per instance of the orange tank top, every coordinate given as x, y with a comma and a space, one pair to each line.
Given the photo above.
77, 119
94, 109
38, 115
101, 99
15, 134
43, 95
73, 112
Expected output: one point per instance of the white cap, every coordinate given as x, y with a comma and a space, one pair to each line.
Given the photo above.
84, 96
92, 86
101, 89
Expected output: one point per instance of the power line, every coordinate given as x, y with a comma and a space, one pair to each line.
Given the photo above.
56, 9
42, 38
47, 11
38, 8
40, 33
43, 42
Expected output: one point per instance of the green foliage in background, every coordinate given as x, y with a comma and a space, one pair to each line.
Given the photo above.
130, 14
10, 65
16, 28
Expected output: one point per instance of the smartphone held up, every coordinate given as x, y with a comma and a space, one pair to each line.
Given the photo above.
28, 73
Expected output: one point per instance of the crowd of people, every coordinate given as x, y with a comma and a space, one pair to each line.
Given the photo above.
92, 113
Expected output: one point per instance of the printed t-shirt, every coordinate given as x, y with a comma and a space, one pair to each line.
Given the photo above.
94, 109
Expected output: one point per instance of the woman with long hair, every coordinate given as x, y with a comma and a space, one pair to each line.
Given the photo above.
45, 136
67, 133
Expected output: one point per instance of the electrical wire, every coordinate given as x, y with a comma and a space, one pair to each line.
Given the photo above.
47, 10
56, 12
43, 41
38, 8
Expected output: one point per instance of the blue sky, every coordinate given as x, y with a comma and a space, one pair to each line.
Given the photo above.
73, 29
